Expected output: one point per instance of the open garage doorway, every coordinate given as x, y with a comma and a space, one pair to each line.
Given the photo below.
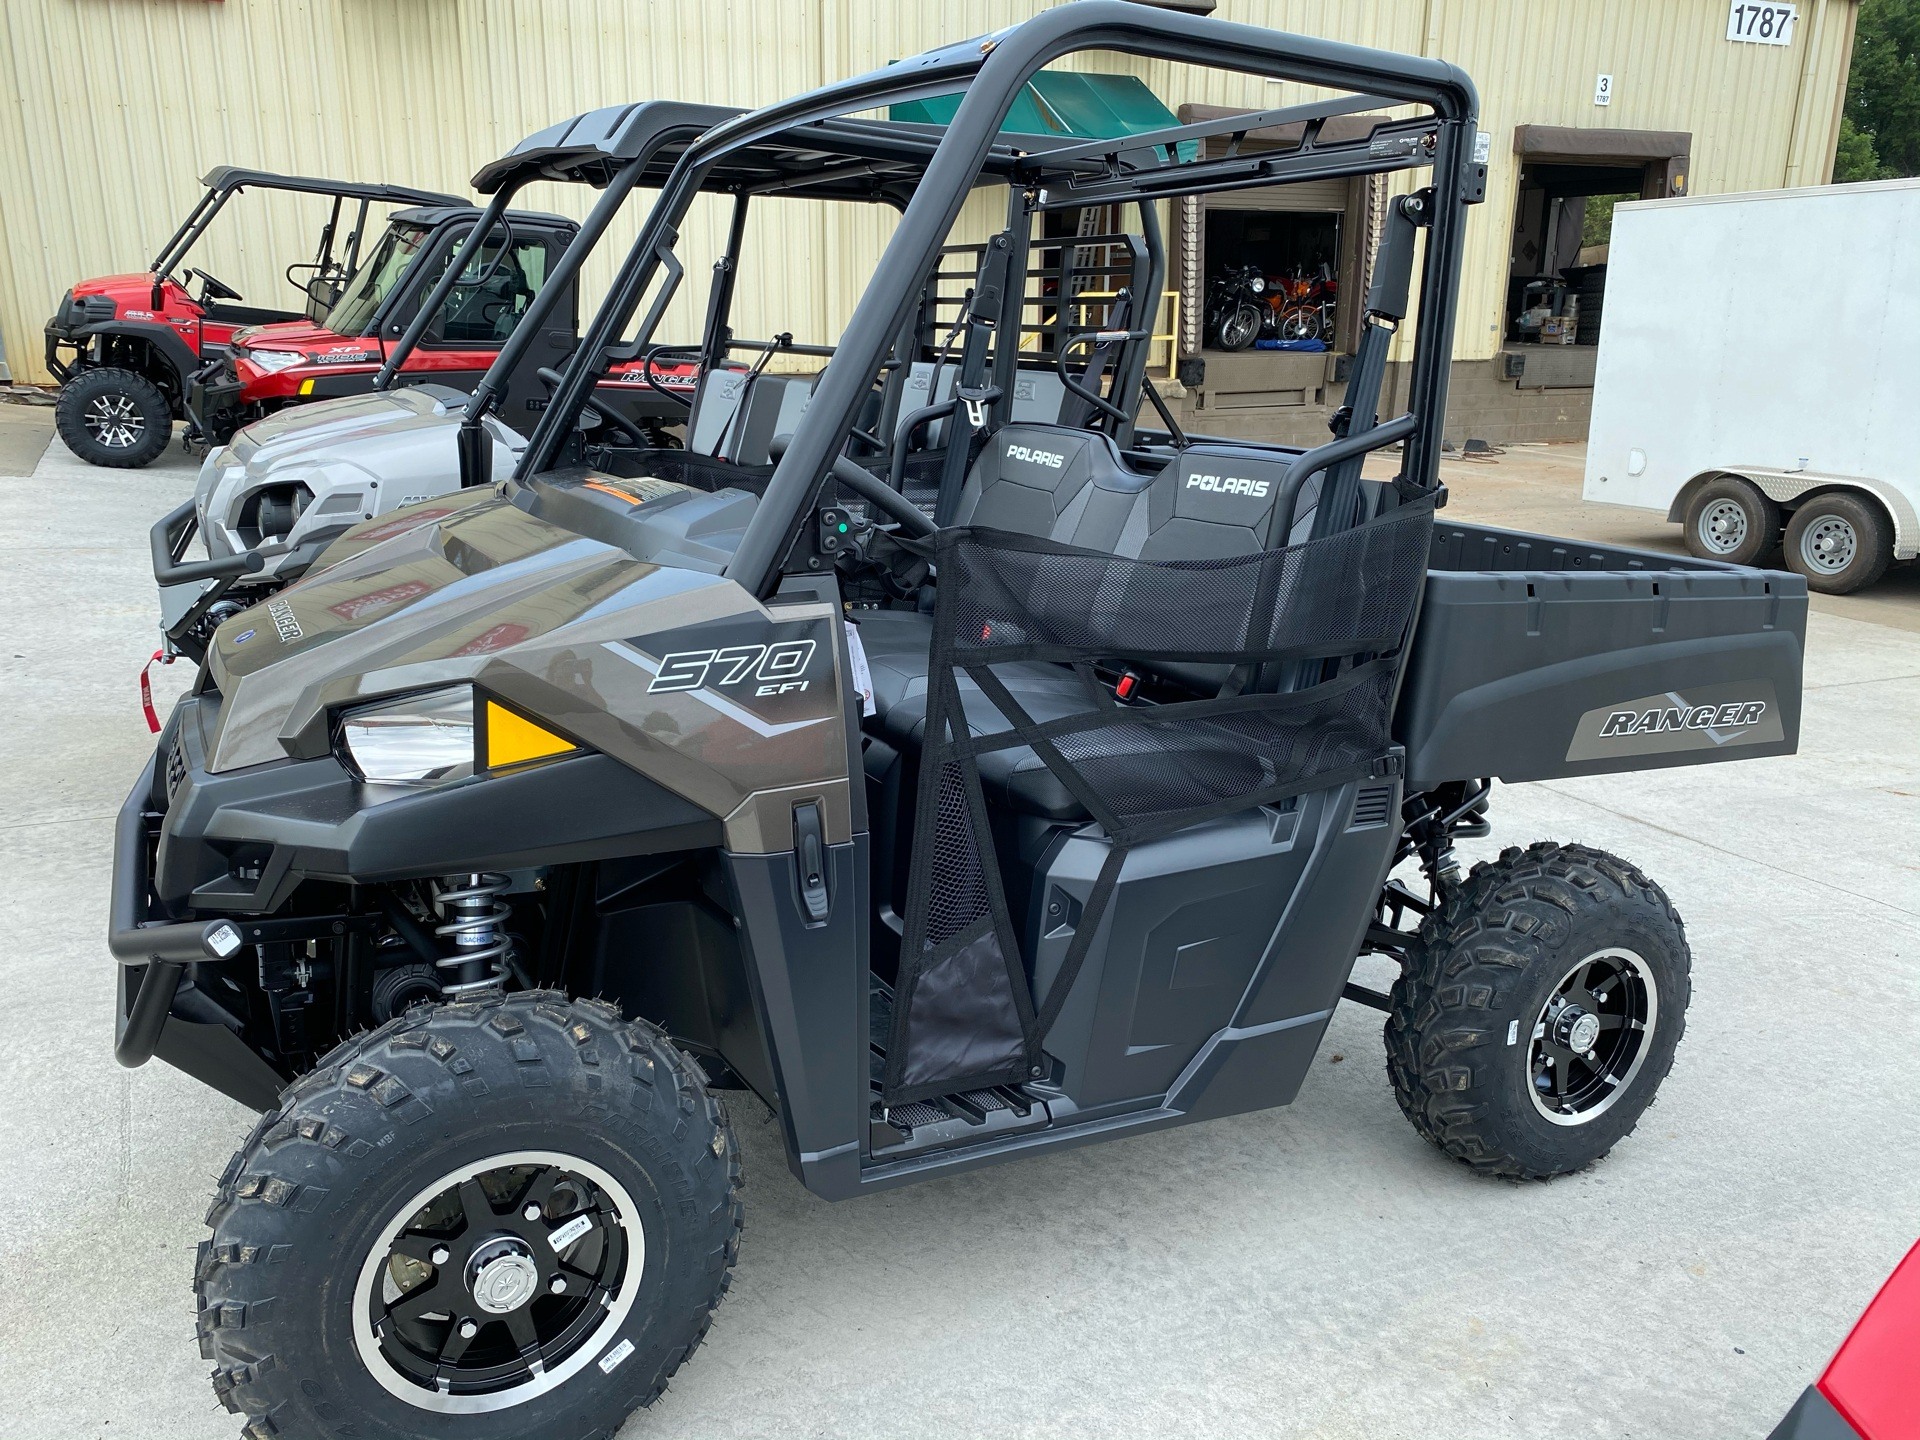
1297, 255
1570, 182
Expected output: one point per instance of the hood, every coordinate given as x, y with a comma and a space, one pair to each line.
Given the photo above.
559, 624
132, 297
344, 425
119, 285
357, 458
303, 335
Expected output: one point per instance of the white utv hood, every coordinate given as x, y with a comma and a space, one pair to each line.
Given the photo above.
332, 464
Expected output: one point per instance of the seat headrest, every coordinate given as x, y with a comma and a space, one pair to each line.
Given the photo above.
1224, 485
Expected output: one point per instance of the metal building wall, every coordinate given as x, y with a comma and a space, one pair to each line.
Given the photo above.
109, 109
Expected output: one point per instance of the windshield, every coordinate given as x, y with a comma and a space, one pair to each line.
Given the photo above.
354, 311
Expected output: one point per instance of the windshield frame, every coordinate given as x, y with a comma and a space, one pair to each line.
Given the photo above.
365, 286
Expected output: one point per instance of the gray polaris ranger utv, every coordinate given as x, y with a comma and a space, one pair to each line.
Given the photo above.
487, 853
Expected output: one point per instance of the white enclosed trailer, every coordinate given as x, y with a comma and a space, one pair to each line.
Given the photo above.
1759, 375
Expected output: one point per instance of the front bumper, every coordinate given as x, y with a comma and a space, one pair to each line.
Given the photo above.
159, 1008
58, 339
215, 408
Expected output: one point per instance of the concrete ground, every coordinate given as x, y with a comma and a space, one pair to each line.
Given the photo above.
24, 433
1316, 1271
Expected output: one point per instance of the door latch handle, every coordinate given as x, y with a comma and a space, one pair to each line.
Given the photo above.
810, 860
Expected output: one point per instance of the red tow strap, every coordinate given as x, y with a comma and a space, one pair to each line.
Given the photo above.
146, 689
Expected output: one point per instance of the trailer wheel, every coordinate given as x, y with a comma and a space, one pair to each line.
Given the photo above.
113, 417
1841, 542
1540, 1011
498, 1218
1729, 519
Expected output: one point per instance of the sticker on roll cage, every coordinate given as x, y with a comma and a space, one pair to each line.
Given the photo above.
1706, 717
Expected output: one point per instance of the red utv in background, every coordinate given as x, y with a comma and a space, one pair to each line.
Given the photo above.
125, 347
339, 352
1871, 1389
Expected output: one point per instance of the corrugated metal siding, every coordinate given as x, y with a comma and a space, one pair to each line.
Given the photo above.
110, 109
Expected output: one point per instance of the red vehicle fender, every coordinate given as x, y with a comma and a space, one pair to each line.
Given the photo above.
1874, 1378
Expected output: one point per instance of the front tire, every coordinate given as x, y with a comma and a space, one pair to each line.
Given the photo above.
507, 1217
1239, 326
1840, 542
114, 418
1540, 1012
1729, 519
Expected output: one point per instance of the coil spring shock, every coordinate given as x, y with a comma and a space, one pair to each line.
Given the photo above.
473, 916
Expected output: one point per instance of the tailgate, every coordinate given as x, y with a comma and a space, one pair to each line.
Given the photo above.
1536, 658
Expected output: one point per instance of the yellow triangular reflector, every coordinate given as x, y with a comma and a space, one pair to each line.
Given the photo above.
512, 740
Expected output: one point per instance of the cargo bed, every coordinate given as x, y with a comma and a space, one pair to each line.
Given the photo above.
1536, 657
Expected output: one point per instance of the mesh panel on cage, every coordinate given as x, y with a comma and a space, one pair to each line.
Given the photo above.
1139, 770
1020, 597
1155, 767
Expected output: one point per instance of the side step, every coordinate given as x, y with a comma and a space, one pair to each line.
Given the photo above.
958, 1119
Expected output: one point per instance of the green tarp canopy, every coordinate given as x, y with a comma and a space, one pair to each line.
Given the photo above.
1065, 102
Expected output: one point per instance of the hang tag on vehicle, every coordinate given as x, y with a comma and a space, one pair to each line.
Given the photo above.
862, 676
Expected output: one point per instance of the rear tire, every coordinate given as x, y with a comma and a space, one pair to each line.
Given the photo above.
527, 1166
1493, 1004
1729, 519
1841, 542
114, 418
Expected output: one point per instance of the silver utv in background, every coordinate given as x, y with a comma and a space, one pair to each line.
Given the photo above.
531, 820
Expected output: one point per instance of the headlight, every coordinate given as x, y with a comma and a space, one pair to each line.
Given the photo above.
274, 361
1257, 285
431, 738
421, 740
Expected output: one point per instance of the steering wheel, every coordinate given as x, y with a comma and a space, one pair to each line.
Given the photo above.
870, 488
212, 289
608, 417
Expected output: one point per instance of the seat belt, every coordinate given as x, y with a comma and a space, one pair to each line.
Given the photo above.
1387, 304
972, 395
1337, 505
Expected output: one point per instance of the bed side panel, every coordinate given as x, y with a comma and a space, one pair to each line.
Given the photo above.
1538, 674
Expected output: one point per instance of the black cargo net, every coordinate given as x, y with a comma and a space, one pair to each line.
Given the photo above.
1300, 648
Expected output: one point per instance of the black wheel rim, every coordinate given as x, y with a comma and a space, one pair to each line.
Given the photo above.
1591, 1037
114, 421
499, 1282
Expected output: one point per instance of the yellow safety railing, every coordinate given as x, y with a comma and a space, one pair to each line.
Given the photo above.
1169, 302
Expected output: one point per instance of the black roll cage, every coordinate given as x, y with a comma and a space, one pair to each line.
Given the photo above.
223, 182
874, 162
992, 71
614, 150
